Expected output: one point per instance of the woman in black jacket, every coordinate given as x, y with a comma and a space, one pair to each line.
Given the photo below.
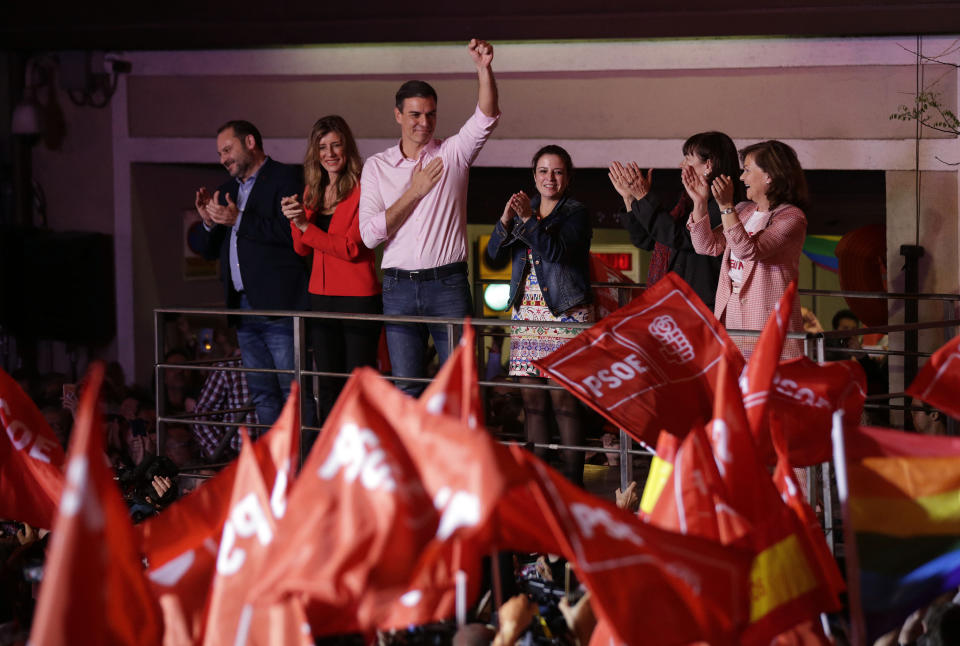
547, 238
654, 228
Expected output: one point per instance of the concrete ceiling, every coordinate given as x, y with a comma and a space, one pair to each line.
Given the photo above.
179, 24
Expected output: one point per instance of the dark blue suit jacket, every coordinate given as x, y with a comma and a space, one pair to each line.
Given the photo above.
274, 276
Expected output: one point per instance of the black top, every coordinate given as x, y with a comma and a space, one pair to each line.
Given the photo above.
649, 222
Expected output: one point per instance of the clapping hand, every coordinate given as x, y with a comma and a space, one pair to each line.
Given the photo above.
519, 204
293, 211
695, 185
222, 214
201, 201
629, 181
722, 189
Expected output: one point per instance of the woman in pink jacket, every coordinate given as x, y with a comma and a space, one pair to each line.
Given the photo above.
760, 239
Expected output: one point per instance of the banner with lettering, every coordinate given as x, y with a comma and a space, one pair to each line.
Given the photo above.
762, 365
385, 481
672, 589
651, 365
784, 552
431, 594
803, 396
94, 590
250, 528
181, 542
31, 478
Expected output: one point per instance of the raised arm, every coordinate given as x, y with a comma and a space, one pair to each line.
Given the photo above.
482, 54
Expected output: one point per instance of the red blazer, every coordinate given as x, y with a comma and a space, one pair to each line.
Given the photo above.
342, 264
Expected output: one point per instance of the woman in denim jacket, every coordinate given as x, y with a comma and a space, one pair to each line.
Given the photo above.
548, 240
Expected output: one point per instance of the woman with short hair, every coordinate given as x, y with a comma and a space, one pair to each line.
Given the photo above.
761, 239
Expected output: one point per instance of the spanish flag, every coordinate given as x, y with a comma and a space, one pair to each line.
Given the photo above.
901, 497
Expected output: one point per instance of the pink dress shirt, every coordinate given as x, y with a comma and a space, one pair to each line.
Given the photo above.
435, 234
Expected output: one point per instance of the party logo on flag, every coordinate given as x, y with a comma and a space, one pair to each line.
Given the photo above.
651, 364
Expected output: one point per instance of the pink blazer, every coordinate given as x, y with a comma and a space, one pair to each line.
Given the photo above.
771, 260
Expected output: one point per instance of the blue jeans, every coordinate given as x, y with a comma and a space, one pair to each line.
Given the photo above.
267, 342
407, 342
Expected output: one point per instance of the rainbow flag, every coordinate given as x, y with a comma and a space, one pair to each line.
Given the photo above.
822, 250
901, 496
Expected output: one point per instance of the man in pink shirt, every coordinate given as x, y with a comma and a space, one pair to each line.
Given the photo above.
413, 198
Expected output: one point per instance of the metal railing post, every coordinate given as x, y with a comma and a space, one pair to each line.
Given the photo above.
626, 460
451, 344
299, 359
158, 351
828, 508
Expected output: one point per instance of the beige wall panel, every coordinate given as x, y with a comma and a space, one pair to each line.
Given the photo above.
77, 176
159, 195
813, 103
938, 237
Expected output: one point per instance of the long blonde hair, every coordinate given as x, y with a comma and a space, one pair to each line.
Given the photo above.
315, 176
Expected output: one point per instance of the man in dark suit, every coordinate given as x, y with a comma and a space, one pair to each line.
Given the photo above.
260, 270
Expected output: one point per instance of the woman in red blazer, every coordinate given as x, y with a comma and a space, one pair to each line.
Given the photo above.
343, 279
761, 239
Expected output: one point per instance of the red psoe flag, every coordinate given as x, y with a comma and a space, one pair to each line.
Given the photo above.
758, 375
31, 478
694, 499
803, 397
181, 543
938, 382
786, 585
431, 594
382, 482
454, 391
790, 493
660, 474
94, 589
692, 589
249, 530
651, 365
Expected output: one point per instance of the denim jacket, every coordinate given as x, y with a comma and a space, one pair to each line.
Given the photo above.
561, 254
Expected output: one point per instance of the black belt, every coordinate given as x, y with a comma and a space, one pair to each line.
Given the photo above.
433, 273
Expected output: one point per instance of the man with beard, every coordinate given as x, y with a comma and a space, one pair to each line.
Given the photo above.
260, 270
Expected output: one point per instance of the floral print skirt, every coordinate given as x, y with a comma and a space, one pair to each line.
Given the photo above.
528, 343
